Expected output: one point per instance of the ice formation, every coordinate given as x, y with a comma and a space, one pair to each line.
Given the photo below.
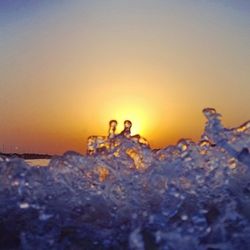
126, 196
105, 144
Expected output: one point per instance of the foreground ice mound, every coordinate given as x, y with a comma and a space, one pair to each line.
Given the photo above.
188, 196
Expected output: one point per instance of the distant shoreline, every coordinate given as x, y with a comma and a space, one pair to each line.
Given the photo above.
26, 156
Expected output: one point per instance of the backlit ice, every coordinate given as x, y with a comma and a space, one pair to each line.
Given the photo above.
124, 195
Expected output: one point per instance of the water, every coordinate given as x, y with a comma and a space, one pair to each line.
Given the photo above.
38, 162
127, 196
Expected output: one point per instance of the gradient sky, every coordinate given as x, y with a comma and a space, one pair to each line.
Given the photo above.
68, 67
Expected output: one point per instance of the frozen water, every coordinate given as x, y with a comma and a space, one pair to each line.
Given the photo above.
127, 129
127, 196
112, 128
105, 144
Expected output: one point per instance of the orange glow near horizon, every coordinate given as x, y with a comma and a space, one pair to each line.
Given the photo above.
68, 68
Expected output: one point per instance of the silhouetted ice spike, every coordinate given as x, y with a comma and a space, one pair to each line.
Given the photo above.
214, 130
127, 128
106, 144
217, 133
112, 129
100, 144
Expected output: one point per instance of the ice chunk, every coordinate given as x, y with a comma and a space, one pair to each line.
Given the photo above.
112, 128
215, 132
24, 205
244, 156
124, 195
127, 129
136, 241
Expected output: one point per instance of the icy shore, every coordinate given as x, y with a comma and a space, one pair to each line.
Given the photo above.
188, 196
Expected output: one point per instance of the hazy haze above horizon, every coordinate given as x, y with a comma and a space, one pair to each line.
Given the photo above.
68, 67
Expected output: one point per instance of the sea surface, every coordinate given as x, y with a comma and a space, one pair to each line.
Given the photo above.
38, 162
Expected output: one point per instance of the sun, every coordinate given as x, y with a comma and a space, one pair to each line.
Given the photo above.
135, 113
137, 118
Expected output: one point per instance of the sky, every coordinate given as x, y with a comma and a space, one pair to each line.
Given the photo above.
68, 67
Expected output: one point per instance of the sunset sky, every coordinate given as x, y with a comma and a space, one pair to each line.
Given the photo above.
68, 67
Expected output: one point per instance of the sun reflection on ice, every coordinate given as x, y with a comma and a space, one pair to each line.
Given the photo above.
104, 144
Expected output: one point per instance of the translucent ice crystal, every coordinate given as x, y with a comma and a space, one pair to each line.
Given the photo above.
112, 129
127, 129
124, 195
103, 144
